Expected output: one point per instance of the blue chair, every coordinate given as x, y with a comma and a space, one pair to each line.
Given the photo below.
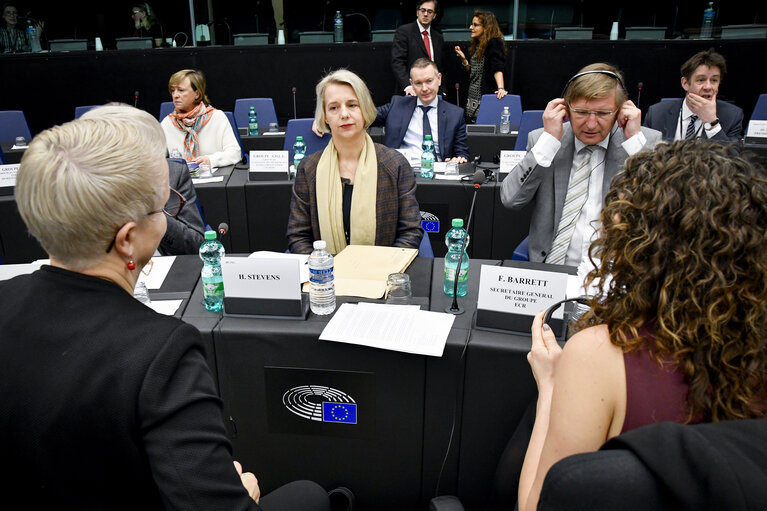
166, 107
230, 116
80, 110
521, 253
264, 111
531, 120
424, 249
668, 99
490, 108
303, 127
760, 110
13, 124
2, 157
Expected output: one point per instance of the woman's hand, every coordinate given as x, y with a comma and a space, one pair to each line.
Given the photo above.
544, 354
460, 53
501, 92
249, 481
202, 160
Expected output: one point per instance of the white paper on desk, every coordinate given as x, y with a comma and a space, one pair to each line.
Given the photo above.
303, 261
8, 271
757, 129
8, 174
267, 133
14, 147
403, 328
452, 177
159, 270
203, 180
167, 307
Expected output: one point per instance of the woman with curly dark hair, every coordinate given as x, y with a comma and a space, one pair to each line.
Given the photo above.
677, 330
488, 60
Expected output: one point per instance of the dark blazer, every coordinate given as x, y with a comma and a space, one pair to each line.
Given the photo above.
107, 404
664, 117
408, 46
186, 232
495, 60
451, 127
547, 186
398, 218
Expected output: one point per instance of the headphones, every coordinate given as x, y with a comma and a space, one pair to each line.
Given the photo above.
550, 311
616, 76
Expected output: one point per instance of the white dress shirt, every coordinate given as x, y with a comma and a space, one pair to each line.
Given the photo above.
411, 144
700, 131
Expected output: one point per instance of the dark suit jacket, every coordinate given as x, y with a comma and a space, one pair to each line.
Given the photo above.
107, 404
664, 117
408, 46
547, 186
398, 218
451, 127
495, 60
186, 232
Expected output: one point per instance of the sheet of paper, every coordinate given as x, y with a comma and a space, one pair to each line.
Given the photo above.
403, 328
8, 271
167, 307
453, 177
203, 180
302, 259
160, 266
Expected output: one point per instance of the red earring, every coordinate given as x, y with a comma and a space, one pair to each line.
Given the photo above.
131, 265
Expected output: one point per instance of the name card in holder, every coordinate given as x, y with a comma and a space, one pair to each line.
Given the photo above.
8, 178
757, 129
262, 287
268, 161
511, 296
509, 160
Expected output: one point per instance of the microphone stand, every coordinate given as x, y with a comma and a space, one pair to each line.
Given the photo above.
454, 307
294, 103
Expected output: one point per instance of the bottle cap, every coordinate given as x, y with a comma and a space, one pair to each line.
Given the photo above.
457, 222
427, 137
210, 235
319, 245
299, 137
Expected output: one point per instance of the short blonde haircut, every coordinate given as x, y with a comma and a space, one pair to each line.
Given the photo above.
344, 77
80, 182
196, 79
597, 85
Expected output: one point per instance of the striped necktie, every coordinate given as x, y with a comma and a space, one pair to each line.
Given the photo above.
577, 191
691, 128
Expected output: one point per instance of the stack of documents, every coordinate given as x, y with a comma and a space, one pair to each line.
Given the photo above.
362, 270
391, 327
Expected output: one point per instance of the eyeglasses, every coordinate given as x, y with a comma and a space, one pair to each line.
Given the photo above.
475, 25
426, 11
172, 208
582, 113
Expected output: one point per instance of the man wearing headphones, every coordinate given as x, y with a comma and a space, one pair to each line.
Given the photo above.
569, 166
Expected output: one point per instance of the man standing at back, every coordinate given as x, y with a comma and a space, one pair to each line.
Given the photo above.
413, 41
569, 166
700, 114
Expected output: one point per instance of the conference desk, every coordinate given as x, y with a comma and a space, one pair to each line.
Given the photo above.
12, 155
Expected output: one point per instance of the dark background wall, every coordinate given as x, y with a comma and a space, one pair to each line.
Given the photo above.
49, 86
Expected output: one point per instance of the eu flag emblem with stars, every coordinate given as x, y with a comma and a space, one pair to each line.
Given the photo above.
339, 412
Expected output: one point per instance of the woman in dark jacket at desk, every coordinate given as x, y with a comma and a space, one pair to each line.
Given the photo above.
106, 403
354, 192
488, 61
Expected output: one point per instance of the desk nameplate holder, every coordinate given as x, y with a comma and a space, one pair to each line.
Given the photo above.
521, 286
268, 165
8, 178
756, 132
263, 287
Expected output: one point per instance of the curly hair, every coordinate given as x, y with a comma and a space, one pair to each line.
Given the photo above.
682, 249
491, 30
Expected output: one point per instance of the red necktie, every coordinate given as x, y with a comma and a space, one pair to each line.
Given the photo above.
426, 43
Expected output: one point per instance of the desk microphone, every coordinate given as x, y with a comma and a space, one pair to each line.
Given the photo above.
135, 99
639, 93
223, 228
479, 178
294, 104
457, 97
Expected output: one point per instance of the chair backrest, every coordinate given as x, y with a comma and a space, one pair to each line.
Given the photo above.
531, 120
490, 108
521, 253
303, 127
166, 107
2, 157
80, 110
760, 110
13, 124
424, 249
230, 116
668, 99
265, 112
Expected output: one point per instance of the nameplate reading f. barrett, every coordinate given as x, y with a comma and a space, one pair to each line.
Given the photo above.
520, 290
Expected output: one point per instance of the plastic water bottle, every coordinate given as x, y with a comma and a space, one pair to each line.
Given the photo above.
141, 293
322, 288
299, 151
708, 22
427, 158
211, 253
338, 28
252, 122
453, 240
505, 120
34, 40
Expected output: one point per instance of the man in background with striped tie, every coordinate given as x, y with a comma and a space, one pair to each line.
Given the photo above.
569, 165
700, 114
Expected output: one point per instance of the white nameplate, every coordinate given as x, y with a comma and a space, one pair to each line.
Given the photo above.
268, 161
261, 278
757, 129
439, 166
8, 174
509, 160
520, 290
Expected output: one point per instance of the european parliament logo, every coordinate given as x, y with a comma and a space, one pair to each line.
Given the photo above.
429, 222
345, 413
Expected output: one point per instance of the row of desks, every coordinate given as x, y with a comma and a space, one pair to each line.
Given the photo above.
426, 425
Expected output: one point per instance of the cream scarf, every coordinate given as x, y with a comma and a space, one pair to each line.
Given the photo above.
330, 198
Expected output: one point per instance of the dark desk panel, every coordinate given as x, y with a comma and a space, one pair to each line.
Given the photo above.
262, 142
16, 244
489, 145
213, 201
12, 155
